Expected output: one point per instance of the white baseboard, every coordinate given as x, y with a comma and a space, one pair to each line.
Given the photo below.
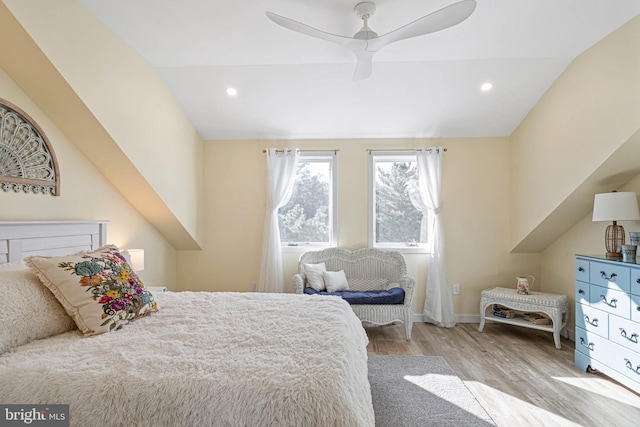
475, 318
459, 318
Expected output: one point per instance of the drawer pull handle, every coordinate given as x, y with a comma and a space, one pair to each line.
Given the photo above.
637, 280
630, 366
589, 346
612, 303
633, 338
581, 292
593, 322
611, 278
580, 269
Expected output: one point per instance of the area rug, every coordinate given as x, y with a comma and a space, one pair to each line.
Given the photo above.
415, 391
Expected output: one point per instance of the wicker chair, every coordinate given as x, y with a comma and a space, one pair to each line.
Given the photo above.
367, 269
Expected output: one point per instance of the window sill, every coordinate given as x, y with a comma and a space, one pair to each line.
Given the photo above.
305, 248
405, 249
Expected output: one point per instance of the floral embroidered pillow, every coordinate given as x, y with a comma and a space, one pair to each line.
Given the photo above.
98, 289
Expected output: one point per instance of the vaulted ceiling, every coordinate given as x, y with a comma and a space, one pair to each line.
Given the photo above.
292, 86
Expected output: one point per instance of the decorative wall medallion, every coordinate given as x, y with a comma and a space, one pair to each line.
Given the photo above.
27, 160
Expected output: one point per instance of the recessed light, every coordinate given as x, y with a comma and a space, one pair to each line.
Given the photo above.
486, 87
232, 91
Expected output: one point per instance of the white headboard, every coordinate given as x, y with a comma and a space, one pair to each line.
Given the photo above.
19, 239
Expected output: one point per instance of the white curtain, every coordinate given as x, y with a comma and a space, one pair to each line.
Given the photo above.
416, 201
281, 175
438, 304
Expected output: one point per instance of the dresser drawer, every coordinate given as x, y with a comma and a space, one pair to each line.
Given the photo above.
607, 275
582, 292
611, 301
626, 362
624, 332
592, 319
607, 332
635, 281
582, 270
635, 309
593, 345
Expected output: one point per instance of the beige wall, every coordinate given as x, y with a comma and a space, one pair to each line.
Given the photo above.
580, 139
476, 212
589, 112
133, 118
86, 195
497, 191
585, 238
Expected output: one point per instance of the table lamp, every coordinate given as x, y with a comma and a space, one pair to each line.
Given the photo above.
615, 206
135, 258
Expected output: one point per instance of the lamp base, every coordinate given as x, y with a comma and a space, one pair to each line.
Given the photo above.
613, 240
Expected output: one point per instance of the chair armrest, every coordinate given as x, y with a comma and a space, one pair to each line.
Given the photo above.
408, 283
298, 283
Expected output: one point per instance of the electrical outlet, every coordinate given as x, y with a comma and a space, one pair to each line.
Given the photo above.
456, 289
253, 286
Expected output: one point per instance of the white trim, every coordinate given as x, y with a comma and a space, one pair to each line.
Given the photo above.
422, 249
305, 247
464, 318
475, 318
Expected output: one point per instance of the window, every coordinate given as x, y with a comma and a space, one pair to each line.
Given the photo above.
394, 220
309, 218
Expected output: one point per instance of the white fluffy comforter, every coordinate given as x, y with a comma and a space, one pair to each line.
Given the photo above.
205, 359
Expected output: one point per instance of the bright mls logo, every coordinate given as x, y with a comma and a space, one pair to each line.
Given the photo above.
34, 415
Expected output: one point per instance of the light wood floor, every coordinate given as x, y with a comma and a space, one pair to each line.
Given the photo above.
517, 374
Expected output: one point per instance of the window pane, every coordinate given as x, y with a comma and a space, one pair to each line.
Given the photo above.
397, 220
307, 216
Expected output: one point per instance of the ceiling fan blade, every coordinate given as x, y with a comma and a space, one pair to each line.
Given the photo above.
364, 66
290, 24
436, 21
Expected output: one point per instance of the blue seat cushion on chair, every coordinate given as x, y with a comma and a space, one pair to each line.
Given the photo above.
390, 296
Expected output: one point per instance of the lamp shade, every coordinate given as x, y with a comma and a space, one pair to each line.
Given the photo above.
135, 258
616, 206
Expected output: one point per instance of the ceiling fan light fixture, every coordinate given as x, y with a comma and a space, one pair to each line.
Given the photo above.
365, 33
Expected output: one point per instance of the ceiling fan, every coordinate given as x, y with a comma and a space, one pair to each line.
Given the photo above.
366, 42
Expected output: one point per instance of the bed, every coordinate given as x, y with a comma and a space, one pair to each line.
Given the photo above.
214, 359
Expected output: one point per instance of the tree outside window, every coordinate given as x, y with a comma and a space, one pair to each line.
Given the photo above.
395, 222
308, 217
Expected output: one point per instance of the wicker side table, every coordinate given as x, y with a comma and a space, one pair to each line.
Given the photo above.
553, 305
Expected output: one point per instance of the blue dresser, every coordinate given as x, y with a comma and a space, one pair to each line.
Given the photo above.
608, 318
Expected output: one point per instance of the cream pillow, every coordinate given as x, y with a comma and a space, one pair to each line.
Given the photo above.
98, 289
28, 310
315, 279
336, 281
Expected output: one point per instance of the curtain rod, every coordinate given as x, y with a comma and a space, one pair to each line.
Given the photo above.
302, 151
407, 149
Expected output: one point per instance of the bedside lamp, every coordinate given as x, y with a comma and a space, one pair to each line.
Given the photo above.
614, 207
135, 258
